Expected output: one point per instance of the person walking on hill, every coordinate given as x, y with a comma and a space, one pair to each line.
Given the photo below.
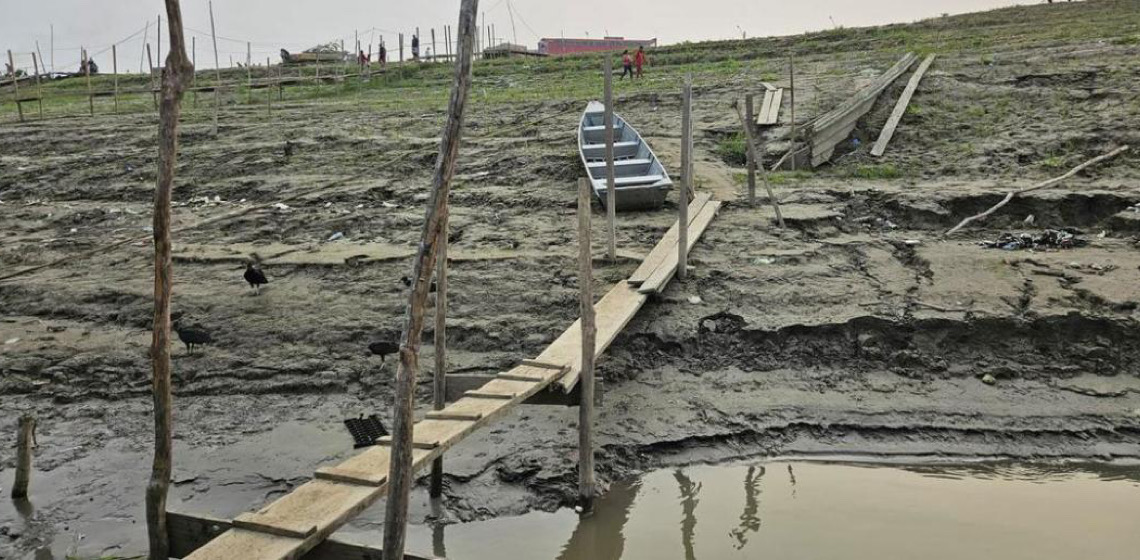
627, 66
640, 60
382, 55
415, 48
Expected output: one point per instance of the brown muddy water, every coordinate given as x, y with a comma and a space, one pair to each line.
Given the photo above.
823, 510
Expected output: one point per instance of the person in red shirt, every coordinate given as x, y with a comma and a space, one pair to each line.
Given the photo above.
640, 60
627, 66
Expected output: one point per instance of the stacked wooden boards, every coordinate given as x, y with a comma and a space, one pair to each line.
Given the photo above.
827, 131
900, 108
294, 525
769, 114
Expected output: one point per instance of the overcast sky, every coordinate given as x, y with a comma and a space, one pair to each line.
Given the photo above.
299, 24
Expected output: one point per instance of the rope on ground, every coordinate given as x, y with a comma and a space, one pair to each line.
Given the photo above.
1047, 184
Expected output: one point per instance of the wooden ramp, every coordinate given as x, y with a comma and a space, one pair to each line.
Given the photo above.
769, 113
294, 525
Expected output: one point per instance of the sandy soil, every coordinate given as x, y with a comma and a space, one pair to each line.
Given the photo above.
858, 330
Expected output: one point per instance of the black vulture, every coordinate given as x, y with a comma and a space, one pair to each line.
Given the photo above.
192, 336
382, 349
255, 277
408, 282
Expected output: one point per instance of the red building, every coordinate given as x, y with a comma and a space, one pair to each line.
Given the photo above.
570, 46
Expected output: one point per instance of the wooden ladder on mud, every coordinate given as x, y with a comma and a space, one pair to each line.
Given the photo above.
299, 524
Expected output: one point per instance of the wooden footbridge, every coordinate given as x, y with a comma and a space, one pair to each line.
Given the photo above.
299, 524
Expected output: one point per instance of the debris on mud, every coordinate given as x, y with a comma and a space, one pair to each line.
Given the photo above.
1048, 239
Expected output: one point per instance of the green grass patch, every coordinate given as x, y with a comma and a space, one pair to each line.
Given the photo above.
883, 171
732, 149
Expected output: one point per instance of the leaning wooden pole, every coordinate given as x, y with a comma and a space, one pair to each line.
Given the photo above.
686, 178
39, 87
749, 117
115, 77
400, 470
24, 439
755, 153
87, 72
611, 189
586, 482
173, 84
15, 86
792, 93
217, 71
439, 393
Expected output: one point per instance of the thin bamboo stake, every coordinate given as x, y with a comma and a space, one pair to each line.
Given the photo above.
586, 483
173, 85
87, 72
400, 470
792, 92
217, 71
756, 157
115, 79
153, 89
611, 189
1043, 185
194, 63
24, 439
686, 178
749, 118
15, 86
39, 86
248, 72
439, 396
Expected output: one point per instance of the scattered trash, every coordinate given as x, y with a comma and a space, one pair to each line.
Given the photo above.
12, 340
1048, 239
281, 206
365, 431
337, 235
764, 260
1029, 220
360, 206
912, 242
989, 379
1102, 234
327, 204
695, 299
74, 230
387, 204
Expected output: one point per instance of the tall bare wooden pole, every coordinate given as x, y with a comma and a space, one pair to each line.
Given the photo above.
439, 395
15, 86
87, 72
24, 439
173, 84
249, 72
750, 118
611, 190
400, 470
115, 77
750, 139
792, 92
686, 178
434, 54
217, 71
39, 87
586, 483
153, 92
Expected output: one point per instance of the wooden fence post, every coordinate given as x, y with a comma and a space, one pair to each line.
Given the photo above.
87, 72
153, 89
217, 71
15, 86
586, 483
434, 55
115, 79
401, 47
749, 116
24, 439
249, 72
686, 178
173, 85
439, 396
792, 92
39, 86
194, 63
400, 463
611, 189
759, 164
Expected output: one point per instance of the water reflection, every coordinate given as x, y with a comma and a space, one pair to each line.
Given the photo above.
689, 501
750, 519
601, 535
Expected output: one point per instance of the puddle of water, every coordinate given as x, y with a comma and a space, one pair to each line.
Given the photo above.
828, 511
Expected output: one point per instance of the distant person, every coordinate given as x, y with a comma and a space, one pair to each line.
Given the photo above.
362, 59
627, 66
640, 60
415, 47
382, 55
8, 70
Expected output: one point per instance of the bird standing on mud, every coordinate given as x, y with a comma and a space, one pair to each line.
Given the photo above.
382, 349
192, 336
254, 275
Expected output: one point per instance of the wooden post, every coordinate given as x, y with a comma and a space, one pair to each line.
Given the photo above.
217, 71
400, 469
194, 63
792, 92
115, 78
401, 47
87, 72
39, 86
249, 72
268, 90
611, 189
439, 396
586, 305
433, 53
447, 40
749, 117
15, 86
150, 63
686, 178
756, 157
146, 41
158, 33
173, 85
24, 439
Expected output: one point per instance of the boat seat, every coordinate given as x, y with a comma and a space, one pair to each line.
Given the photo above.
620, 162
639, 180
601, 127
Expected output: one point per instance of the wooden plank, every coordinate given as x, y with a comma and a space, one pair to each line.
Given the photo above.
773, 115
664, 273
614, 312
432, 433
900, 108
315, 505
369, 467
765, 106
459, 383
532, 374
508, 388
668, 243
191, 532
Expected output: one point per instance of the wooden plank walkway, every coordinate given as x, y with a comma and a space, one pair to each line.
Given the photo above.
900, 108
297, 523
770, 109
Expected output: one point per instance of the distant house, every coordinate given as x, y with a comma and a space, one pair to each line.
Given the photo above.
560, 46
507, 50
